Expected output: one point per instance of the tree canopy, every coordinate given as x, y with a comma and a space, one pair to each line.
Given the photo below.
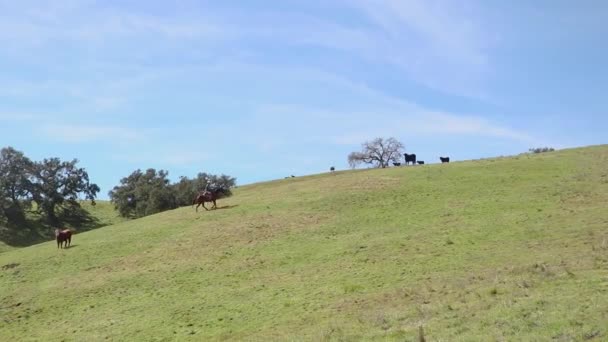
15, 183
51, 183
143, 193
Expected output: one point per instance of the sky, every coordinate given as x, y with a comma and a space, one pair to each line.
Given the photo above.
260, 90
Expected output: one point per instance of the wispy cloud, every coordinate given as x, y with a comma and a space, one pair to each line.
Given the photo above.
379, 114
441, 44
438, 43
74, 133
440, 27
91, 22
17, 116
164, 157
353, 127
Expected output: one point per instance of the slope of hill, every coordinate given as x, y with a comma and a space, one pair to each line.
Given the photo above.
497, 249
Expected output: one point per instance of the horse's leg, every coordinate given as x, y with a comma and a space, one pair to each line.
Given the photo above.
214, 205
69, 242
204, 206
58, 242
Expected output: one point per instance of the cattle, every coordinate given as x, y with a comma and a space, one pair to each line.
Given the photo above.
444, 159
410, 158
421, 162
63, 237
396, 164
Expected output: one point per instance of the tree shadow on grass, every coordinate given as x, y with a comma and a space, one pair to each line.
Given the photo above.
34, 228
79, 219
22, 235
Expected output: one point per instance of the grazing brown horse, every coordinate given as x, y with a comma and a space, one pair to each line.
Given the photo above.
64, 237
205, 196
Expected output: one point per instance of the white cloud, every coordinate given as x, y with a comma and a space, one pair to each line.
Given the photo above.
443, 27
39, 24
163, 157
74, 133
384, 114
436, 43
17, 116
354, 127
442, 44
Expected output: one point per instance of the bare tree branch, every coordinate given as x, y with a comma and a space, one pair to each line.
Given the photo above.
378, 152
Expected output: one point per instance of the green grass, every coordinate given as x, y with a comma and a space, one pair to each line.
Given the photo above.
103, 211
5, 247
507, 249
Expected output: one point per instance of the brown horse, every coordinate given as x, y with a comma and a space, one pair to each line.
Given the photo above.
64, 237
205, 196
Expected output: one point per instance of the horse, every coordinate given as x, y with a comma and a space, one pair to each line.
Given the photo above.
205, 196
410, 158
63, 237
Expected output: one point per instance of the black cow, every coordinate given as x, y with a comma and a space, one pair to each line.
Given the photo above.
410, 158
421, 162
445, 159
396, 164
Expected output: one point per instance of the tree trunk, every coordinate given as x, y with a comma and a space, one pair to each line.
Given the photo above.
15, 214
49, 210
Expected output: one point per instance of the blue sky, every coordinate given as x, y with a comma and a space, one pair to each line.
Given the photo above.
264, 89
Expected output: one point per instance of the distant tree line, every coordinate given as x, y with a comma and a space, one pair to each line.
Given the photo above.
149, 192
541, 149
51, 184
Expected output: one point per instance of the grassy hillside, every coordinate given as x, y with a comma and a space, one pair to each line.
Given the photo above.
35, 230
5, 247
502, 249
